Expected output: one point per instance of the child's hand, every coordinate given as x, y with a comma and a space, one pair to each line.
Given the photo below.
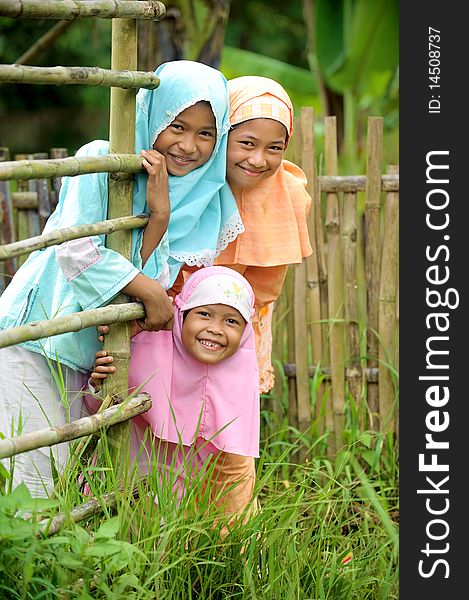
102, 366
158, 305
157, 185
104, 330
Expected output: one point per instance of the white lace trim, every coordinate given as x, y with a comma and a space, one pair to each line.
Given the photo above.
232, 228
205, 258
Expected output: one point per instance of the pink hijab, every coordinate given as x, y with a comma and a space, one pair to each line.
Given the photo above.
218, 402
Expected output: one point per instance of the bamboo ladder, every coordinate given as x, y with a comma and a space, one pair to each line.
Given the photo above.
121, 164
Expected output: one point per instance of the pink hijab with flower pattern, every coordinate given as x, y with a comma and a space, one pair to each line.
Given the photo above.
190, 399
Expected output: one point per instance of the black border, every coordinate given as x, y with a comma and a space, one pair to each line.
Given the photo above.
420, 133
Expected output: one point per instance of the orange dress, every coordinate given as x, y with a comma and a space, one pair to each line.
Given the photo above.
276, 235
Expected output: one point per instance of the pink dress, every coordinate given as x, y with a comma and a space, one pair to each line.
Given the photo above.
200, 411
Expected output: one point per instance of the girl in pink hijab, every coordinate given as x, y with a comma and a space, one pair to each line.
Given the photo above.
204, 383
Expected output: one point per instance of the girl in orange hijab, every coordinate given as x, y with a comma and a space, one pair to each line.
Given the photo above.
272, 199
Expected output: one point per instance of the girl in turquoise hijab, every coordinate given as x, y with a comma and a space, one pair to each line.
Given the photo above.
201, 223
84, 274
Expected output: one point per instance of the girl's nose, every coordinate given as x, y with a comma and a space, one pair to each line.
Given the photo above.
187, 144
257, 159
216, 328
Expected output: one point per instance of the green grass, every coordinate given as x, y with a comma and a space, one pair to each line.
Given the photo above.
313, 517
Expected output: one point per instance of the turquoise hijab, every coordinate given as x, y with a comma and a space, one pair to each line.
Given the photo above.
203, 219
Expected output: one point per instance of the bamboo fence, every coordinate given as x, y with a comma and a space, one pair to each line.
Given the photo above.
336, 322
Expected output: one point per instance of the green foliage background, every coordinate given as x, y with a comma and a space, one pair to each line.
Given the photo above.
341, 50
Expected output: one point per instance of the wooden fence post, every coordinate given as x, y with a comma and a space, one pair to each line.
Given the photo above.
335, 292
122, 139
27, 219
372, 255
7, 225
56, 181
301, 354
308, 164
290, 322
43, 188
278, 345
350, 249
300, 329
387, 309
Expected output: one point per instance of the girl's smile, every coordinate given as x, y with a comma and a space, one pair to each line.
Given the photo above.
213, 332
188, 142
255, 152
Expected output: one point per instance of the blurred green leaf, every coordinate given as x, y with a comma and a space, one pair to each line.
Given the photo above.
358, 44
299, 83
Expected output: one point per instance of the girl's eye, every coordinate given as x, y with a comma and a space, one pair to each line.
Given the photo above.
276, 148
232, 322
203, 313
176, 126
246, 143
207, 134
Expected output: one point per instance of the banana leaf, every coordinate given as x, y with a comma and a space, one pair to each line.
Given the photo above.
300, 83
357, 45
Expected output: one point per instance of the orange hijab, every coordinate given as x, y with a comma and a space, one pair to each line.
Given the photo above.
274, 213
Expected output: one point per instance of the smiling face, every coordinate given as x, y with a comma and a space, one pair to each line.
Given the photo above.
213, 332
255, 152
188, 142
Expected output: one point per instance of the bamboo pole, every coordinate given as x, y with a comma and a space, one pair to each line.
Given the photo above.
335, 293
43, 188
43, 43
319, 227
7, 225
92, 76
301, 353
132, 163
34, 224
371, 375
300, 331
25, 200
71, 9
21, 218
31, 216
356, 183
387, 309
106, 315
86, 510
56, 182
72, 165
122, 139
372, 254
396, 423
58, 236
350, 249
278, 345
308, 164
290, 322
51, 436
